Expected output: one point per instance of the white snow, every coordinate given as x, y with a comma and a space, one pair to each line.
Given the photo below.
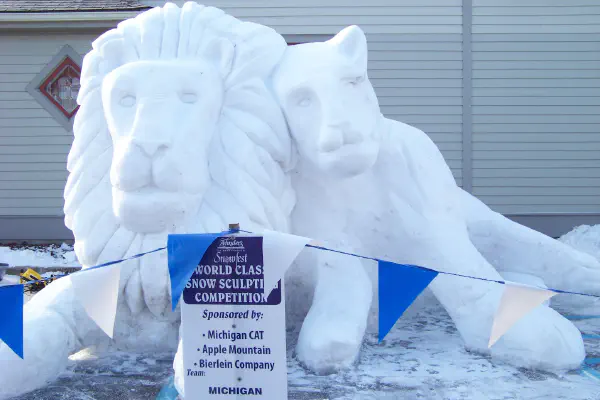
584, 238
421, 357
35, 256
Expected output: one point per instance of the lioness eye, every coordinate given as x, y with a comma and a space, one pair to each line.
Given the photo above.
188, 97
358, 80
127, 101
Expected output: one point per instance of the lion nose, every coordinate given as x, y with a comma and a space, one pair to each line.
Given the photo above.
150, 148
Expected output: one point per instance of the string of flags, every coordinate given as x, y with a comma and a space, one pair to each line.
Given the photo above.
97, 288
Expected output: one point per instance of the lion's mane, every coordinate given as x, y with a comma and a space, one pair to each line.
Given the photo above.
249, 155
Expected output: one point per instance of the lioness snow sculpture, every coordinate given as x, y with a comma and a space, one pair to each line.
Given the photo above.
177, 132
383, 188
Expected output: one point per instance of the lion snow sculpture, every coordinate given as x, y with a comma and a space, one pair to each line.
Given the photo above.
177, 132
382, 188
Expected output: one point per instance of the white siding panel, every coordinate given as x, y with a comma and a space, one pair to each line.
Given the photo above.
533, 11
536, 29
536, 105
28, 167
239, 5
572, 56
535, 37
536, 101
325, 10
510, 127
492, 47
536, 191
33, 159
526, 164
33, 146
38, 186
31, 211
32, 193
35, 176
505, 4
536, 74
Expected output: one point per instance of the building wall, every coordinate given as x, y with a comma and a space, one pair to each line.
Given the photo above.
33, 145
528, 146
536, 105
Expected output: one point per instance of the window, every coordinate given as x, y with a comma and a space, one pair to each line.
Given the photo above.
56, 86
62, 86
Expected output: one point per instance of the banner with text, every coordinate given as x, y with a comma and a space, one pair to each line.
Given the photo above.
233, 334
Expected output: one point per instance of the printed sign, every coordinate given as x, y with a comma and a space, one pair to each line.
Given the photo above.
233, 335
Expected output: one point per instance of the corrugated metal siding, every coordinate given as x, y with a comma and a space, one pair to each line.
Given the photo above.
536, 105
415, 54
33, 146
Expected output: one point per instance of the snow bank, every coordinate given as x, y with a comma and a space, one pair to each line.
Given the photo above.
39, 256
584, 238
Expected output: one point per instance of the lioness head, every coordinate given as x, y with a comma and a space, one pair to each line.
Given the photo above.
162, 116
330, 105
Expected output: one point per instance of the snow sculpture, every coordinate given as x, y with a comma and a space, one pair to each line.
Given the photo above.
514, 248
382, 188
177, 132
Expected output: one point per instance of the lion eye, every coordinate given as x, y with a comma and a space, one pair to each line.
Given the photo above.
127, 101
304, 102
188, 97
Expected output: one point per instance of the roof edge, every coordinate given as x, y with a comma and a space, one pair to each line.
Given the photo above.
72, 10
68, 16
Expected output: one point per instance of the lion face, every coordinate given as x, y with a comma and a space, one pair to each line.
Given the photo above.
331, 107
161, 116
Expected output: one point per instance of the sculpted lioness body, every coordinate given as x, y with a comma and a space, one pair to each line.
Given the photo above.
382, 188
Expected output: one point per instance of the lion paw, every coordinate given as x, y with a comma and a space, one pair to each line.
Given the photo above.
543, 339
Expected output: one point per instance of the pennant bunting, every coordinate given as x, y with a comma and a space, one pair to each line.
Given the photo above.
185, 251
516, 302
399, 286
11, 327
279, 252
97, 290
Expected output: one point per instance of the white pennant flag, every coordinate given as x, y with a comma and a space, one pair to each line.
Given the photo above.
98, 290
517, 301
279, 252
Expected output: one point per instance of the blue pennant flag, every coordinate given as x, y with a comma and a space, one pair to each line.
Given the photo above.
399, 286
185, 253
11, 326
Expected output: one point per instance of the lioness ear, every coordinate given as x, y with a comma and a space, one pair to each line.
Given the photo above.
352, 43
220, 51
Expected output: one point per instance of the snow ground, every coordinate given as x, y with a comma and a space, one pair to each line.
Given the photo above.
422, 358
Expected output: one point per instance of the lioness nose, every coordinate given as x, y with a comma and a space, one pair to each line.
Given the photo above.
331, 140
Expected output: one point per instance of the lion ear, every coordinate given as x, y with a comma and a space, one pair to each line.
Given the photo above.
352, 43
220, 51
